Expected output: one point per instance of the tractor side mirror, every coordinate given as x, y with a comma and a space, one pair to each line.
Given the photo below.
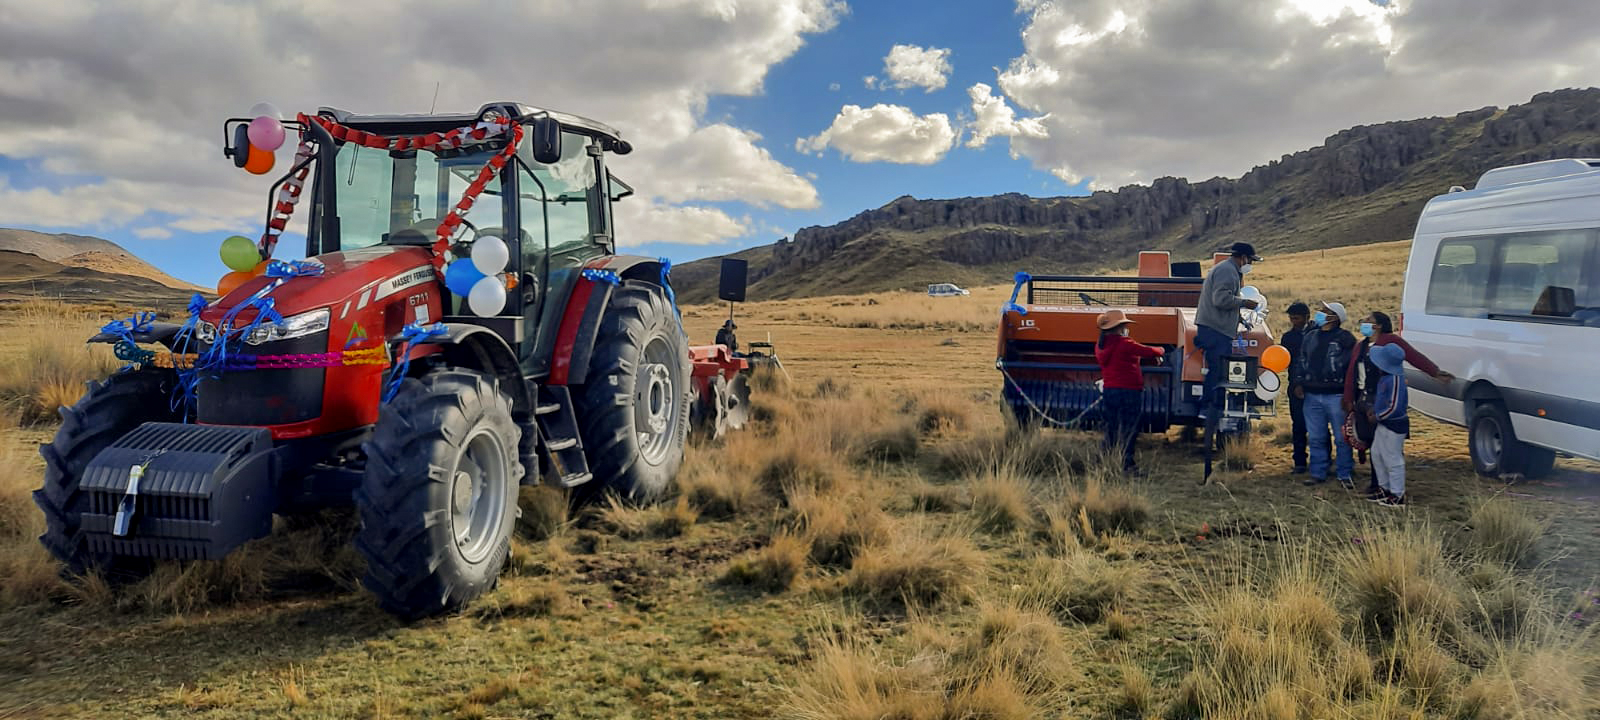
546, 133
240, 150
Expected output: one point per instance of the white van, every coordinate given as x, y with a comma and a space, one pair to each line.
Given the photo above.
946, 290
1503, 290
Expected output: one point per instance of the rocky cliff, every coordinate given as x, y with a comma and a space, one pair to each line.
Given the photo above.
1364, 184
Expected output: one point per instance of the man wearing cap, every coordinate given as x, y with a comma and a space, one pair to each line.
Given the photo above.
1217, 316
725, 336
1319, 373
1122, 380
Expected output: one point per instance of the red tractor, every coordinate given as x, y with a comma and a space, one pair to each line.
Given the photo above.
358, 376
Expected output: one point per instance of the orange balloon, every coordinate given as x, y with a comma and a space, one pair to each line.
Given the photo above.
1275, 358
231, 281
260, 268
260, 161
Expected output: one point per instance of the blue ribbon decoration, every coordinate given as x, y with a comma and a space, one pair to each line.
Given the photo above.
666, 284
126, 348
600, 275
183, 396
1022, 278
410, 335
294, 268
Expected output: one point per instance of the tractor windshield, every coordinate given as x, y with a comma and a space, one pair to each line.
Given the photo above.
399, 198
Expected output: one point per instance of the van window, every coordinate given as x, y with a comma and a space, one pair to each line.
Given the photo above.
1460, 277
1541, 273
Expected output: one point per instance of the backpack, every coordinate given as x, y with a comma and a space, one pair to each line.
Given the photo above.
1358, 430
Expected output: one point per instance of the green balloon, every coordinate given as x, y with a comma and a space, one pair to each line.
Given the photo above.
239, 254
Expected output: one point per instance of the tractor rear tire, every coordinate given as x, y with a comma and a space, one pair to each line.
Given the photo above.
633, 411
438, 500
109, 410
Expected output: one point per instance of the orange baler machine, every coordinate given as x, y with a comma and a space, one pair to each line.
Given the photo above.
1046, 344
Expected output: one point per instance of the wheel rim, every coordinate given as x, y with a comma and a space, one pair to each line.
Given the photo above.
478, 496
1486, 439
655, 407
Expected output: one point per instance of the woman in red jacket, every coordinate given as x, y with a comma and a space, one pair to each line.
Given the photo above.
1123, 381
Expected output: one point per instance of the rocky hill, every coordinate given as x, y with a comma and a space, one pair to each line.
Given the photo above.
1365, 184
25, 276
87, 252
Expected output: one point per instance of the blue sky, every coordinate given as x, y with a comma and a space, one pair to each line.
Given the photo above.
110, 111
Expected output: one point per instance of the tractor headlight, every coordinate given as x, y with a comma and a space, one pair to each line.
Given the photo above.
205, 332
294, 326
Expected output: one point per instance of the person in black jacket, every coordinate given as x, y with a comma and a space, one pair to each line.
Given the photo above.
1300, 319
1320, 375
725, 336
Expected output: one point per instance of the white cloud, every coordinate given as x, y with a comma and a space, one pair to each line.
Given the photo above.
884, 133
833, 87
152, 233
992, 117
871, 81
678, 225
909, 66
130, 123
1130, 90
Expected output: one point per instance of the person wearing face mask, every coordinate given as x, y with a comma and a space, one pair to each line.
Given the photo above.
1300, 326
1361, 378
1217, 318
1122, 382
1320, 373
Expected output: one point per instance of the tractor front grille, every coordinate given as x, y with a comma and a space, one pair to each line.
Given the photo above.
266, 397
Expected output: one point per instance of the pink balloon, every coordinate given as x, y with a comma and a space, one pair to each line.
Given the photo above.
266, 132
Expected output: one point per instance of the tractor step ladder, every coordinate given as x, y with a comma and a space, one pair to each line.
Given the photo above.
558, 425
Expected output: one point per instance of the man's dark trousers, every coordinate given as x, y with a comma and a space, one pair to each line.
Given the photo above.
1297, 416
1216, 347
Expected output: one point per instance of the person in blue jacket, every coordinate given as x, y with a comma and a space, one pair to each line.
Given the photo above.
1388, 413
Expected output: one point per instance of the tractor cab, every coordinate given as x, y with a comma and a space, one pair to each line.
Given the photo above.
550, 204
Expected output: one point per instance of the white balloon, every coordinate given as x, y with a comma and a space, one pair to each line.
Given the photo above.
488, 297
265, 108
489, 254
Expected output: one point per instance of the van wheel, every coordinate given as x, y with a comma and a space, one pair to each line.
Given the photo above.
1493, 444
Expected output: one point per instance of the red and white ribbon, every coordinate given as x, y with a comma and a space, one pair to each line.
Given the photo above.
289, 194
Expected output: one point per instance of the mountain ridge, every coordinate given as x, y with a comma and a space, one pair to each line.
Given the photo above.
1363, 184
85, 251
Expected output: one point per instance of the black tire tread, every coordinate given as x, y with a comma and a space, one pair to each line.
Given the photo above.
605, 415
416, 434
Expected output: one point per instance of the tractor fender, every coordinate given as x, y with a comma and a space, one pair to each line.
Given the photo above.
478, 348
586, 306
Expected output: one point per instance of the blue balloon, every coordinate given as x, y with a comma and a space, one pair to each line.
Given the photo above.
460, 276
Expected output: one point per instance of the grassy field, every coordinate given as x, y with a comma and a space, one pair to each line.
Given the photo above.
877, 545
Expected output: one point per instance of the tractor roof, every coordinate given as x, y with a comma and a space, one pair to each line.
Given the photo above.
519, 111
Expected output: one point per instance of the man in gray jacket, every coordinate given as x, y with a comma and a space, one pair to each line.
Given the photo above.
1218, 319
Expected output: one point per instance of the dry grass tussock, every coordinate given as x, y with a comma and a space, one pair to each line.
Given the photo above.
1079, 586
906, 310
1391, 626
670, 519
52, 365
1505, 532
1002, 502
1052, 456
1016, 663
915, 568
774, 568
544, 511
30, 574
837, 527
720, 488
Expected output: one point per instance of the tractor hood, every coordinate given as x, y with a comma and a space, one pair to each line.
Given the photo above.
356, 277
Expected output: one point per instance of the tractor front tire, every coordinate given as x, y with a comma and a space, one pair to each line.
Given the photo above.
105, 413
633, 410
438, 500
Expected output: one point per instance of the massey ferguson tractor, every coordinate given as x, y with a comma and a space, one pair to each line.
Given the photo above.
1048, 336
421, 363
